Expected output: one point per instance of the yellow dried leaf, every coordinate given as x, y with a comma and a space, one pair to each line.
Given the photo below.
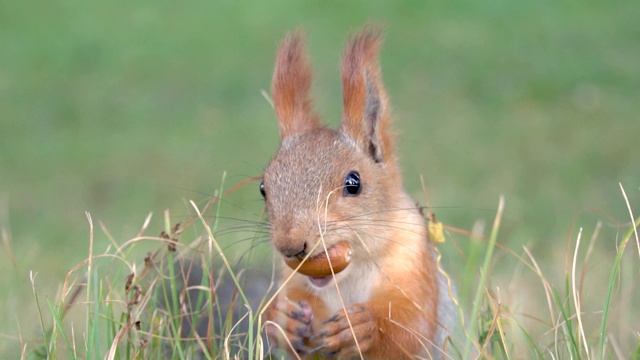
436, 230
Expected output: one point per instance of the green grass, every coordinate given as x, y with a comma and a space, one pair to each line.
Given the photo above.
145, 307
126, 108
142, 310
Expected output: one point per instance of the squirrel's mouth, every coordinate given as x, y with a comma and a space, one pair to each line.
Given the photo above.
320, 281
324, 264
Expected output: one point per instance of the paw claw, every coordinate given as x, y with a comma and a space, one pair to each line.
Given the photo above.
331, 319
317, 348
319, 335
300, 316
300, 347
304, 331
331, 354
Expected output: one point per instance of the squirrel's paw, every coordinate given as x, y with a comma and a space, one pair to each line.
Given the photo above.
337, 337
290, 325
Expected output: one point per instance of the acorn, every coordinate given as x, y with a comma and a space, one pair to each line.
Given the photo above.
318, 265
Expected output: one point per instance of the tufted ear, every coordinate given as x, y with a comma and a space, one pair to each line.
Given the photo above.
365, 114
290, 87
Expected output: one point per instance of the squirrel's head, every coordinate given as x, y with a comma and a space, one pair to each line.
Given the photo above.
332, 184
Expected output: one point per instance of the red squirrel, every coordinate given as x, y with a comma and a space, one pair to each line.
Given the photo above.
326, 187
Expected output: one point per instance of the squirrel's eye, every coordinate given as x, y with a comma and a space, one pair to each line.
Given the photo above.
352, 184
264, 194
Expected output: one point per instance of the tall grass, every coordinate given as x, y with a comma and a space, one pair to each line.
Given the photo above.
141, 301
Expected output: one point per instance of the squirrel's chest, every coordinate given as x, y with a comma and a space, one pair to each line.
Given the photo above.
355, 288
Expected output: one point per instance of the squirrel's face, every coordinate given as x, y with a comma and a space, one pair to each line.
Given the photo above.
335, 185
318, 188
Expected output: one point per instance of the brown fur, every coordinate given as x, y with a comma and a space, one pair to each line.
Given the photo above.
290, 87
390, 289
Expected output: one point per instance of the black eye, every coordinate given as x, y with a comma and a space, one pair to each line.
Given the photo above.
352, 184
264, 194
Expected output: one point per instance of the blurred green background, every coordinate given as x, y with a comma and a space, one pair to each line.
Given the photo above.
122, 108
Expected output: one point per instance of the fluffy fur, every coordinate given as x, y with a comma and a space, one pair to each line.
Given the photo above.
391, 301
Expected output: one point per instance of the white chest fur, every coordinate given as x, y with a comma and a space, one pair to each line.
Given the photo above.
355, 285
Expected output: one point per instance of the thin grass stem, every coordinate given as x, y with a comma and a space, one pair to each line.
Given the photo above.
484, 272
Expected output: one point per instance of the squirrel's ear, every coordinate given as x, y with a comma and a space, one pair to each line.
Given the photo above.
290, 87
365, 113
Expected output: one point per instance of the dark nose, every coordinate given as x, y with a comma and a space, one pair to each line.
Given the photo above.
291, 250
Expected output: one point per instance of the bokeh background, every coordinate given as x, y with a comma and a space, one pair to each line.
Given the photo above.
122, 108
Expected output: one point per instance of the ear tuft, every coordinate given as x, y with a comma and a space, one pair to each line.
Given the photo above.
290, 87
365, 114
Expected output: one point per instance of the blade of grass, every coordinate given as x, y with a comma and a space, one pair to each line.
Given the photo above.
210, 232
532, 343
94, 334
57, 318
176, 319
501, 331
612, 284
176, 322
576, 297
216, 218
565, 310
32, 276
483, 276
90, 328
111, 323
213, 242
635, 230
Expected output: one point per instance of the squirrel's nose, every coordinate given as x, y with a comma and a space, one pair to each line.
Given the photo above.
291, 250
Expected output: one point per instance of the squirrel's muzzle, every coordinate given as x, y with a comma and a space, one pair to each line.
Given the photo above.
337, 257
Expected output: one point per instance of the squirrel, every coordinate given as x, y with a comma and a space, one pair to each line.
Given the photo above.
327, 188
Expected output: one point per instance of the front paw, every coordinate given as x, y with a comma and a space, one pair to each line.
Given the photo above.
339, 339
289, 325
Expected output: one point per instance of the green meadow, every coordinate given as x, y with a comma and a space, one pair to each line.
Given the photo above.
124, 108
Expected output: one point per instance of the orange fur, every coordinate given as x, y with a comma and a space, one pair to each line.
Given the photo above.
290, 87
385, 303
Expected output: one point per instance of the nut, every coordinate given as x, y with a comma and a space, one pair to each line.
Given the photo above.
319, 266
